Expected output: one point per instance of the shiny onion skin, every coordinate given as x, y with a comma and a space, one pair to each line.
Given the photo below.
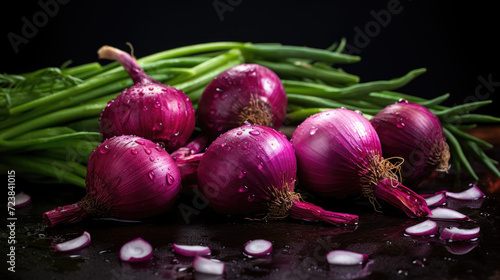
243, 93
412, 132
128, 177
158, 112
339, 155
251, 170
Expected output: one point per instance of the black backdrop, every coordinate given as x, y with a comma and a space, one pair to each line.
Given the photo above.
456, 42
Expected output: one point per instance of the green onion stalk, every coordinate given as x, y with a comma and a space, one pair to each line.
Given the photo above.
49, 117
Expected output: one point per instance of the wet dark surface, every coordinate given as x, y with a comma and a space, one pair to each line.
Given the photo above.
299, 247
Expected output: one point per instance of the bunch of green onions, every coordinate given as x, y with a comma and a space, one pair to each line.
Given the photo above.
49, 117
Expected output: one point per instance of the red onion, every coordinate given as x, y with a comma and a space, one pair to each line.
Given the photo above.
243, 93
160, 113
136, 250
411, 131
343, 257
339, 155
252, 170
191, 250
128, 177
459, 234
74, 244
427, 227
258, 247
208, 266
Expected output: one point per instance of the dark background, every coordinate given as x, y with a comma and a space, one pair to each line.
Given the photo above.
456, 42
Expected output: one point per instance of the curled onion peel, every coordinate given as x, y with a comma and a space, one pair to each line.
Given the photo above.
22, 199
128, 177
411, 131
136, 250
208, 266
339, 155
343, 257
243, 93
442, 213
427, 227
251, 170
471, 193
459, 234
258, 247
160, 113
74, 244
191, 250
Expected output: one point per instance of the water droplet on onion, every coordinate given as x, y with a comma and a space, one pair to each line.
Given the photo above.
151, 175
251, 198
148, 151
170, 179
242, 174
243, 189
313, 130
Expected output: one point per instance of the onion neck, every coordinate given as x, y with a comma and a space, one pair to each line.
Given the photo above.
127, 61
287, 203
188, 167
306, 211
256, 112
401, 197
72, 213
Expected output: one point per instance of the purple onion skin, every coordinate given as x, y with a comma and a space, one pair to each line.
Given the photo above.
128, 177
239, 168
333, 148
150, 109
224, 100
339, 155
412, 132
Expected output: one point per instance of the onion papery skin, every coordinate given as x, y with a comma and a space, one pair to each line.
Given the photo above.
128, 177
412, 132
339, 156
150, 109
226, 101
238, 181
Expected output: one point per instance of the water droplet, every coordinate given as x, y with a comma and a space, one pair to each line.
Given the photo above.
400, 123
358, 112
224, 96
228, 148
145, 108
177, 133
151, 175
243, 189
151, 159
260, 166
254, 132
170, 179
245, 145
147, 150
151, 89
140, 141
251, 198
242, 174
104, 149
313, 130
134, 151
157, 105
239, 132
402, 100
